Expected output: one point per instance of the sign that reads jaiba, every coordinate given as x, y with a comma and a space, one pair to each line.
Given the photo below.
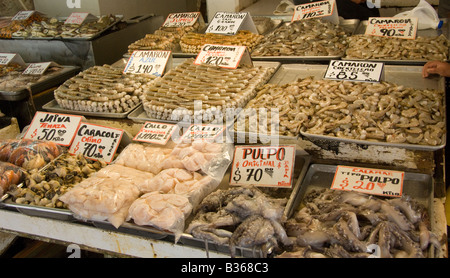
96, 142
362, 71
53, 127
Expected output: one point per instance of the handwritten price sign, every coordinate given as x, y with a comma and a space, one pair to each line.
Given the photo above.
312, 10
181, 19
156, 133
395, 27
371, 181
269, 166
149, 62
225, 56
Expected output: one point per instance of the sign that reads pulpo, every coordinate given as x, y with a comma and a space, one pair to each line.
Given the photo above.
395, 27
96, 142
57, 128
363, 71
370, 181
269, 166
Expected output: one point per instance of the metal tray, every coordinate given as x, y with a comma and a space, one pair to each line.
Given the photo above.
349, 25
410, 76
320, 176
53, 106
39, 211
47, 81
59, 37
444, 30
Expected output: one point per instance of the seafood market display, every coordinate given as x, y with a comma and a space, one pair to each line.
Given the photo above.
383, 112
10, 175
29, 154
147, 184
193, 42
43, 187
346, 224
12, 79
54, 28
102, 89
165, 38
386, 48
172, 97
241, 217
312, 37
19, 25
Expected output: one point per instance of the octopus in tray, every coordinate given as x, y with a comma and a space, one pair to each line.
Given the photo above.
102, 89
382, 112
386, 48
241, 217
312, 37
219, 90
348, 224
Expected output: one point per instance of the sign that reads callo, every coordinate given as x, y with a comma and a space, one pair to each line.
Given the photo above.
202, 132
269, 166
370, 181
57, 128
155, 133
96, 142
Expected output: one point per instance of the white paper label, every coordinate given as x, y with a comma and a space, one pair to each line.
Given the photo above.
225, 56
96, 141
371, 181
53, 127
363, 71
155, 133
395, 27
312, 10
79, 18
269, 166
181, 19
202, 132
36, 68
149, 62
226, 23
23, 15
6, 58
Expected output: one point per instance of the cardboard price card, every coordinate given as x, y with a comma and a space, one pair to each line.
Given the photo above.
314, 9
354, 71
23, 15
269, 166
371, 181
202, 132
80, 18
57, 128
149, 62
38, 68
96, 142
227, 23
6, 58
225, 56
155, 133
395, 27
181, 19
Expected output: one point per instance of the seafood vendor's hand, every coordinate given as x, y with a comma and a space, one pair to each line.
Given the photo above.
436, 67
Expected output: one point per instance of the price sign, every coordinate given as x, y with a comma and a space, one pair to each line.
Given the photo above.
155, 133
181, 19
227, 23
79, 18
37, 68
371, 181
23, 15
312, 10
57, 128
202, 132
149, 62
96, 141
394, 27
354, 71
269, 166
6, 58
225, 56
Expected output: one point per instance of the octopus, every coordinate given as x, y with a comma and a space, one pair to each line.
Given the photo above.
380, 112
313, 37
102, 89
43, 187
241, 217
348, 224
203, 93
386, 48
